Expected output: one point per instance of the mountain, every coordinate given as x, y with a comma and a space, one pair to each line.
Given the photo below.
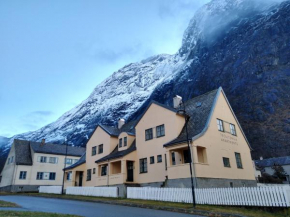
241, 45
3, 154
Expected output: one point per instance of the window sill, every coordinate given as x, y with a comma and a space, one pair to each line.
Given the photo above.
143, 172
160, 136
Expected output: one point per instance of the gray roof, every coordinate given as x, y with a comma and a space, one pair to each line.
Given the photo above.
22, 152
198, 109
271, 161
81, 161
117, 154
114, 131
57, 149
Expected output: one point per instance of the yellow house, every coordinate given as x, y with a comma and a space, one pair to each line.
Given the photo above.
33, 164
153, 150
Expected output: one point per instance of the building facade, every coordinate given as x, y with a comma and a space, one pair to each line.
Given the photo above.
32, 164
153, 150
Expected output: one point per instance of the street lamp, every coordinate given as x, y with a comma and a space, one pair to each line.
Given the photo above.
188, 146
65, 143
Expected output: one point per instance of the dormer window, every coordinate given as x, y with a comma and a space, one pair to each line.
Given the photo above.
125, 141
120, 142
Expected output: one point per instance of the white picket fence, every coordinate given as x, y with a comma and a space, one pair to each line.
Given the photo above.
250, 196
50, 189
93, 191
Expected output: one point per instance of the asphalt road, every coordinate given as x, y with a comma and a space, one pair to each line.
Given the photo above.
88, 209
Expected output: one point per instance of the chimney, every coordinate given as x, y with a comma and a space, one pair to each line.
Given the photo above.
261, 158
176, 101
42, 142
121, 122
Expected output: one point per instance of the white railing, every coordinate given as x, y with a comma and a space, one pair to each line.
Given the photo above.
93, 191
50, 189
250, 196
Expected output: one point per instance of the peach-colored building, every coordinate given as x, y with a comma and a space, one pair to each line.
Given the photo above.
153, 150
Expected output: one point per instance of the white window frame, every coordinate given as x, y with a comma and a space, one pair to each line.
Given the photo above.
220, 125
233, 129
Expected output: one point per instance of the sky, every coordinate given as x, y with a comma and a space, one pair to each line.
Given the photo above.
54, 53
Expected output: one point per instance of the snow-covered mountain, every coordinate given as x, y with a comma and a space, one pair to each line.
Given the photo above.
128, 90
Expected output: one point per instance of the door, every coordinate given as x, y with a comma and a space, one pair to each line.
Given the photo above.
81, 178
130, 168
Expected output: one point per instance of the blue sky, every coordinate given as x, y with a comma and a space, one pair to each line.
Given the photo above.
54, 53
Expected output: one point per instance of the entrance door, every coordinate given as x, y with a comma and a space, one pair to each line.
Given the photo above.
81, 178
130, 168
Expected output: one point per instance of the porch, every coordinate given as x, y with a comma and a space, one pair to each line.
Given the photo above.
74, 178
115, 172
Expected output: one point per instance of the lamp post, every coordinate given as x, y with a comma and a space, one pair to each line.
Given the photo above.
189, 152
65, 143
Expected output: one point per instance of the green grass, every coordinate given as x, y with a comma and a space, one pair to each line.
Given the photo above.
7, 204
32, 214
245, 211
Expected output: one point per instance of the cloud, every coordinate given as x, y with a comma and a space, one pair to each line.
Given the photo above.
33, 119
111, 56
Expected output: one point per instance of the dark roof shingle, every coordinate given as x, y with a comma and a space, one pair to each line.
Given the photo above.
271, 161
198, 109
114, 131
117, 154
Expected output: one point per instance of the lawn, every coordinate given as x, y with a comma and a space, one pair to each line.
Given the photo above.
244, 211
32, 214
7, 204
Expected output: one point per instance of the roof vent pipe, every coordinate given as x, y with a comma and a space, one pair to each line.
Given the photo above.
176, 101
121, 122
261, 158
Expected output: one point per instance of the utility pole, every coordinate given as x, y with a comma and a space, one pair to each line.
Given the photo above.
62, 189
189, 152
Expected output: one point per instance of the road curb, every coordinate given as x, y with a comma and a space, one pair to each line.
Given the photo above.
164, 208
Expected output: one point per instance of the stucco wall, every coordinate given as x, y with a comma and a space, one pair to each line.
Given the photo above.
155, 116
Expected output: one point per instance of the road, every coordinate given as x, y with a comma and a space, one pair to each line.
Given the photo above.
88, 209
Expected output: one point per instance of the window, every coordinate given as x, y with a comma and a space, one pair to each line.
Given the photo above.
39, 176
226, 162
220, 125
89, 175
104, 170
173, 158
101, 149
68, 176
94, 150
68, 161
233, 129
11, 160
0, 179
8, 161
152, 160
239, 160
53, 160
51, 176
22, 175
159, 158
120, 143
160, 131
143, 165
42, 159
148, 134
125, 141
94, 170
231, 184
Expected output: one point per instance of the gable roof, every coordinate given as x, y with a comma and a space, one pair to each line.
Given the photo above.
22, 152
81, 161
117, 154
57, 149
271, 161
115, 131
198, 109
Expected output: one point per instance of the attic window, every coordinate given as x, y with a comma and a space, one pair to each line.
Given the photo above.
198, 104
